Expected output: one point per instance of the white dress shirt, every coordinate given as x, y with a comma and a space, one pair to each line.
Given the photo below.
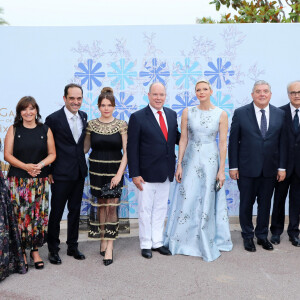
69, 116
156, 115
258, 114
293, 111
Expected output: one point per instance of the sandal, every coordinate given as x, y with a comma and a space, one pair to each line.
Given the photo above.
39, 264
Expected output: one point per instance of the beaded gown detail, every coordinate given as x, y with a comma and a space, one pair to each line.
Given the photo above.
104, 162
198, 223
11, 257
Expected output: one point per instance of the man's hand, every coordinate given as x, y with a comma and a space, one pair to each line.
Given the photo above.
50, 178
234, 174
138, 181
281, 175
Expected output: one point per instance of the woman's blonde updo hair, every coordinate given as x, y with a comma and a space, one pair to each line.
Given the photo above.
107, 93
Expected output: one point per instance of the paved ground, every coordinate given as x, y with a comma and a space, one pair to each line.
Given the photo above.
235, 275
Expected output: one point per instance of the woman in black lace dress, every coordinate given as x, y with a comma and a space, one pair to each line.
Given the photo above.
107, 136
11, 258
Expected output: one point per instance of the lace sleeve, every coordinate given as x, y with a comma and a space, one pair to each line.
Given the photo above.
123, 127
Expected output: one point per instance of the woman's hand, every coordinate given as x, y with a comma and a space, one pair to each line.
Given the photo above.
221, 177
178, 174
115, 181
33, 169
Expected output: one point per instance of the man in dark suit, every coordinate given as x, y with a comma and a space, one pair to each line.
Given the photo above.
257, 155
68, 171
152, 134
292, 180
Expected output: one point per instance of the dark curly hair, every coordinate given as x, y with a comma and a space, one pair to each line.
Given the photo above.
107, 93
23, 104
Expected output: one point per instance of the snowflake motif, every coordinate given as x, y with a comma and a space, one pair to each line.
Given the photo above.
219, 73
198, 145
213, 159
187, 73
205, 217
123, 109
182, 191
211, 243
90, 74
182, 218
205, 120
184, 101
90, 106
200, 172
155, 72
222, 103
122, 74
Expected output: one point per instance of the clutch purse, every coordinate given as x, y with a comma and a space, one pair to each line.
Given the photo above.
217, 186
115, 192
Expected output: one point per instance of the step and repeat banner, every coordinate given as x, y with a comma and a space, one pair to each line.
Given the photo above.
40, 61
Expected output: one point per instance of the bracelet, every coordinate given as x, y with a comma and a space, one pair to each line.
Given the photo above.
179, 163
42, 163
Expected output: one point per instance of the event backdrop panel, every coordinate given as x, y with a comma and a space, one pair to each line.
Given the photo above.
40, 61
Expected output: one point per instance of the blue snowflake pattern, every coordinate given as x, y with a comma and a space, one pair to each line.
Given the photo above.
122, 74
90, 106
184, 101
187, 73
219, 72
90, 74
155, 72
222, 102
123, 107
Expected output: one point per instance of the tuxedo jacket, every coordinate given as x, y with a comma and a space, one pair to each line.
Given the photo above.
149, 154
293, 143
249, 152
70, 163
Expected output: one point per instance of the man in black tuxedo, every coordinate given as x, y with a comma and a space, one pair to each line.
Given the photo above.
68, 171
257, 155
292, 180
152, 134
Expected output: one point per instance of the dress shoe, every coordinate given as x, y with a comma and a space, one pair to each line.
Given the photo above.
275, 239
147, 253
54, 258
249, 245
108, 262
162, 250
76, 254
295, 241
265, 244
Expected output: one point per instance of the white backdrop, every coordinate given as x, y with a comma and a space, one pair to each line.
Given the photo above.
40, 61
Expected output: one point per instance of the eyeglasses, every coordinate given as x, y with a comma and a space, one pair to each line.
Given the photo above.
294, 94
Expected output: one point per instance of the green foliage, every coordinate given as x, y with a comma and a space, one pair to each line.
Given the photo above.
2, 21
256, 11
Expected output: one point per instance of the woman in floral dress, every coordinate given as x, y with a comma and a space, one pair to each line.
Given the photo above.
29, 148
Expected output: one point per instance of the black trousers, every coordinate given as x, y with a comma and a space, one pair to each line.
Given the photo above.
291, 184
259, 188
63, 192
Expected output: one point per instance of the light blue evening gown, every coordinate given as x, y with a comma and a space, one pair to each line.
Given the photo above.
198, 222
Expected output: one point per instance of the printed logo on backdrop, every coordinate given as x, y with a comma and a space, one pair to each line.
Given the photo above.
130, 77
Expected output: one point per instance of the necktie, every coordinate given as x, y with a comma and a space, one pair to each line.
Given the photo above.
296, 121
163, 125
75, 128
263, 123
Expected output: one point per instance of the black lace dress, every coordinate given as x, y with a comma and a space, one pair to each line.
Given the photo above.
11, 257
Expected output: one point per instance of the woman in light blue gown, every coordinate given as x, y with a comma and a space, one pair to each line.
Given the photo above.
198, 222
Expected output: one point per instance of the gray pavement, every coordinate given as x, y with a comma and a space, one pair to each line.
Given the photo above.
235, 275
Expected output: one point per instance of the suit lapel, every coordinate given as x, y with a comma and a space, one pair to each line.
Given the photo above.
252, 118
272, 120
83, 120
154, 122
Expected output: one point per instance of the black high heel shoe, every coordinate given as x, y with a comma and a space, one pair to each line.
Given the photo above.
39, 264
26, 264
102, 253
108, 262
